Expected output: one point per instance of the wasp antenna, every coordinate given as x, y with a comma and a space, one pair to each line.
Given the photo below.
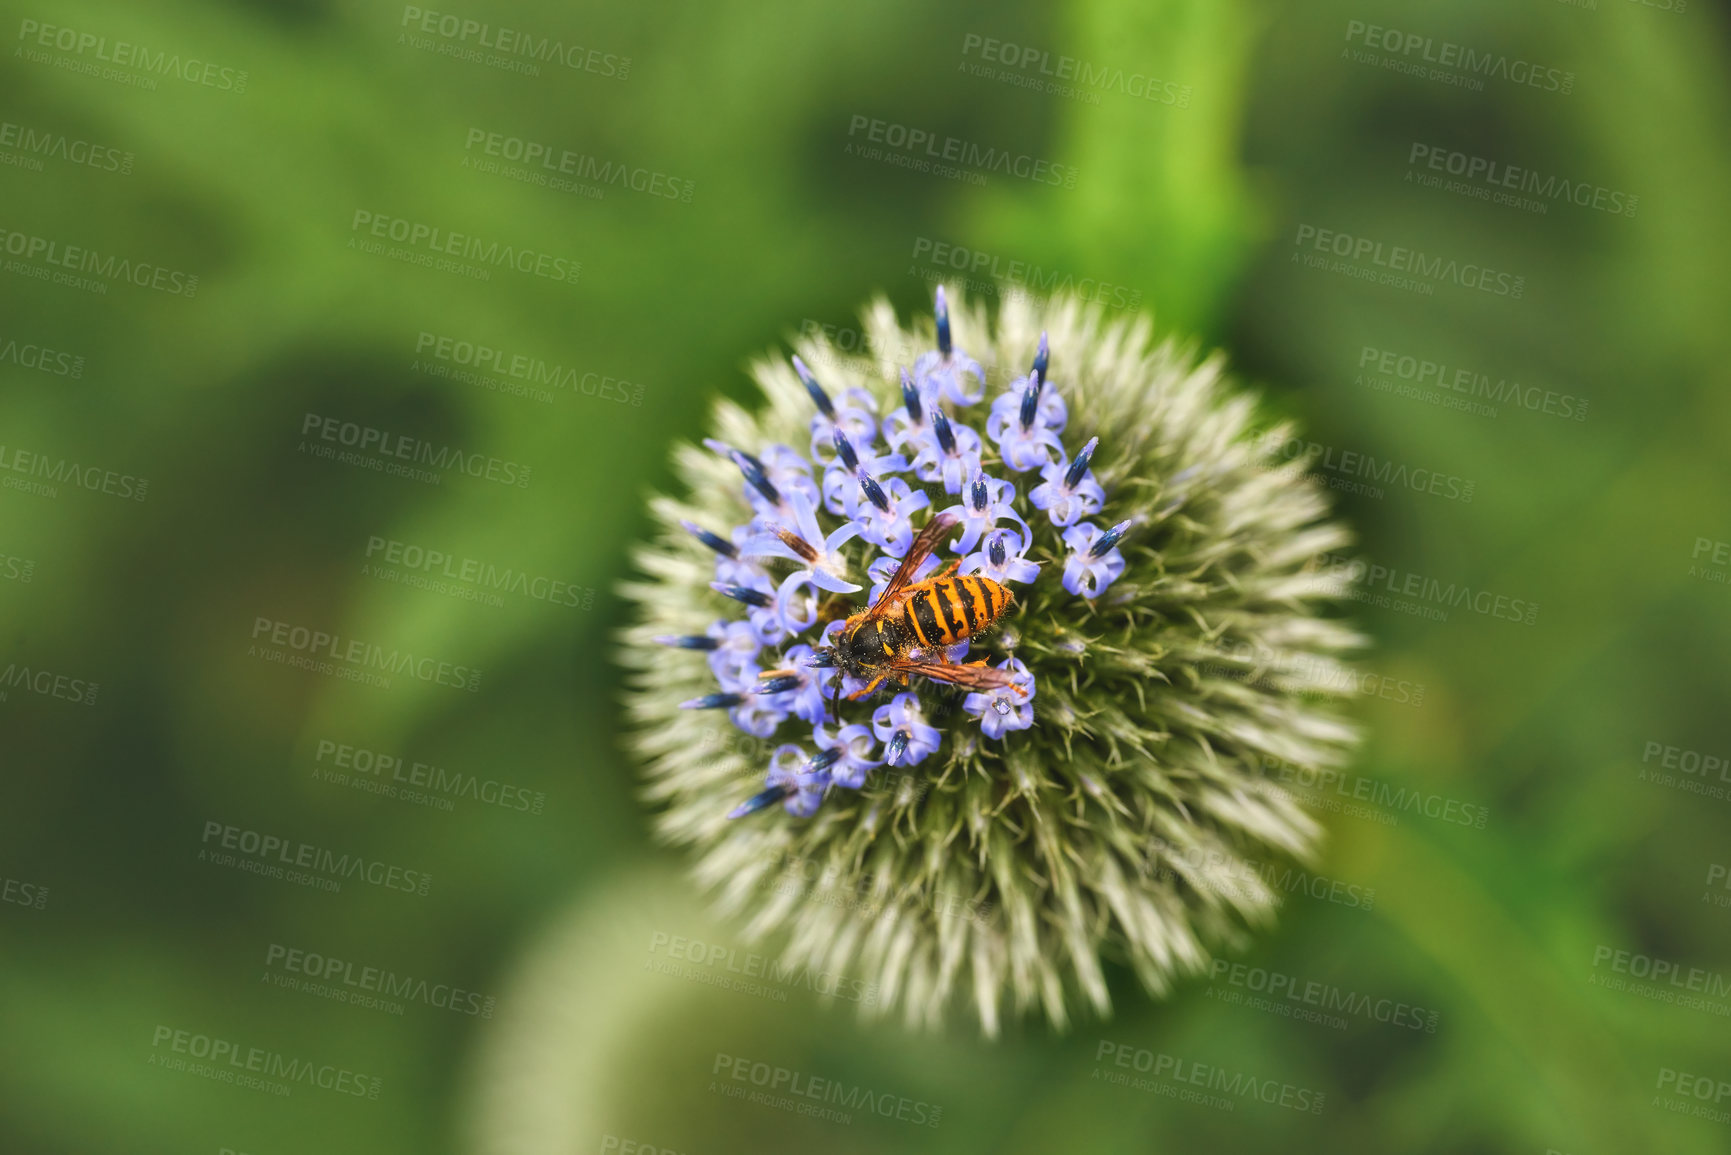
759, 801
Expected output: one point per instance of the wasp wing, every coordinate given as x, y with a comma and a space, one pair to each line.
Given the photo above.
918, 552
970, 677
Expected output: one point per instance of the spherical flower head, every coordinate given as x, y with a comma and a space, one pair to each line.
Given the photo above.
1166, 635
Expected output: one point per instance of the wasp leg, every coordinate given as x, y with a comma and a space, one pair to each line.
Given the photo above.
870, 687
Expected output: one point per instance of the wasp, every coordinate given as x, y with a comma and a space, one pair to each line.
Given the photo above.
906, 630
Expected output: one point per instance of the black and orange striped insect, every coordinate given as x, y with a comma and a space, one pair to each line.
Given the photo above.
905, 632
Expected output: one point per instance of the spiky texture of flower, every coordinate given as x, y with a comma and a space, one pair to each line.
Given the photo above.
1132, 819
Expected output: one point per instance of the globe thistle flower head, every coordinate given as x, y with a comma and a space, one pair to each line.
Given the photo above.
1075, 777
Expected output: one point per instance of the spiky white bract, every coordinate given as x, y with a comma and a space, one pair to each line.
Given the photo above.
1134, 820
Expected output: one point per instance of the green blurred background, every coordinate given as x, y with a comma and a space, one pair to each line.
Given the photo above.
114, 929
